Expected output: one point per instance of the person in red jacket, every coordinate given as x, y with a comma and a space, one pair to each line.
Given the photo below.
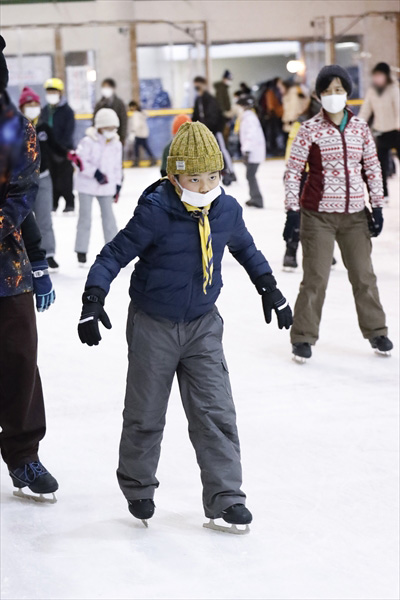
341, 154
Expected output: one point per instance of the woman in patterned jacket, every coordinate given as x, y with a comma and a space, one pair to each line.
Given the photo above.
340, 152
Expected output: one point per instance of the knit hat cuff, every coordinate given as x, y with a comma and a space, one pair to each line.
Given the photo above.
194, 165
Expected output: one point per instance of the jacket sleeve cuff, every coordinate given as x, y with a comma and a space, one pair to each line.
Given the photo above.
266, 284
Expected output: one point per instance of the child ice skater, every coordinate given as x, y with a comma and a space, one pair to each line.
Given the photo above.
252, 145
100, 154
179, 231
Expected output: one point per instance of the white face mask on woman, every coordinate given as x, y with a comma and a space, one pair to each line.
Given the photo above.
109, 134
334, 103
196, 199
107, 92
32, 112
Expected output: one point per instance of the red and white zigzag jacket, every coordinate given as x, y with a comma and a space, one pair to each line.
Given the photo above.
340, 163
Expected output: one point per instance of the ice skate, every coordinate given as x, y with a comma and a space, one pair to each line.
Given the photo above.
301, 352
382, 345
290, 258
53, 265
82, 259
142, 509
237, 516
39, 481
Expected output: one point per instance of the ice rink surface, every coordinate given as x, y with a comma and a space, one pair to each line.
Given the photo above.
319, 445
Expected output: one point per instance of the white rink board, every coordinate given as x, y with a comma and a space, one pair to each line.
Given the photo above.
319, 446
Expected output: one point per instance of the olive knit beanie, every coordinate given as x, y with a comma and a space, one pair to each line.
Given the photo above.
194, 150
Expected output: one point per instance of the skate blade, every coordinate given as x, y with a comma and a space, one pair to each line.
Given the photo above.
145, 523
40, 498
227, 528
289, 269
383, 354
300, 360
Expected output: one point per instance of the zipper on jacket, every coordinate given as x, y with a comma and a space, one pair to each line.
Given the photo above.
346, 210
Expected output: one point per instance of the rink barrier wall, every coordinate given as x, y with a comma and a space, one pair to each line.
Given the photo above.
160, 123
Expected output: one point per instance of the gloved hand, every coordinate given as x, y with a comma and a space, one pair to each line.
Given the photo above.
272, 298
92, 312
74, 158
42, 285
116, 195
375, 222
100, 177
291, 231
246, 157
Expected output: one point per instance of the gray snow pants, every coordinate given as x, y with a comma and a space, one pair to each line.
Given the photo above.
255, 194
159, 348
42, 209
110, 228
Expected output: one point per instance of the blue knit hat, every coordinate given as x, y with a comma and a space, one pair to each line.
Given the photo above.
328, 73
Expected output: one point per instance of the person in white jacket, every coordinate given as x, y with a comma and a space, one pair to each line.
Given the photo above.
252, 144
101, 154
139, 133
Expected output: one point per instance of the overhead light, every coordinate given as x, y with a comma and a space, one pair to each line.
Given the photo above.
91, 75
296, 66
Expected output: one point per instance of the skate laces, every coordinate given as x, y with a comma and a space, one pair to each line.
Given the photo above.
36, 468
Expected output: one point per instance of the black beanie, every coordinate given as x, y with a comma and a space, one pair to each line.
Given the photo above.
328, 73
3, 66
382, 67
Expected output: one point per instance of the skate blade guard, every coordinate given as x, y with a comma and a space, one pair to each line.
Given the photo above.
226, 528
40, 498
300, 360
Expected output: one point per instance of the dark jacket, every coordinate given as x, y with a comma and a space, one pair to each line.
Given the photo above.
207, 111
222, 96
119, 107
48, 146
168, 279
61, 119
32, 239
19, 176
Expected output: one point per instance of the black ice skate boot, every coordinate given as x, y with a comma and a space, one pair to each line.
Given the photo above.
301, 352
382, 345
34, 476
239, 518
290, 258
142, 509
81, 258
53, 265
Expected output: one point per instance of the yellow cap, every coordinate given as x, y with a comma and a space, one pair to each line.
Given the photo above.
54, 84
194, 150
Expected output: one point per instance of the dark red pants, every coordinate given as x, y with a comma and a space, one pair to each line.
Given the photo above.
22, 416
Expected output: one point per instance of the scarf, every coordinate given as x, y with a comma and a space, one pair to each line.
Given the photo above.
205, 241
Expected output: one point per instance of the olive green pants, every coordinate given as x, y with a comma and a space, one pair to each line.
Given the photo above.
318, 233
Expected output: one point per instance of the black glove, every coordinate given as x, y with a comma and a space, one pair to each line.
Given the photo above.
100, 177
291, 232
272, 298
92, 312
375, 222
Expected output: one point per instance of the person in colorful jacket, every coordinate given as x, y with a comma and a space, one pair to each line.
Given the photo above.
179, 231
22, 417
341, 155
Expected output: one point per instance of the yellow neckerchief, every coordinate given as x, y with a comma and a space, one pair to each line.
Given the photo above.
205, 238
205, 241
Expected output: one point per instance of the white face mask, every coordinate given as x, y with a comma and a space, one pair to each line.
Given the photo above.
196, 199
334, 103
52, 98
109, 134
32, 112
107, 92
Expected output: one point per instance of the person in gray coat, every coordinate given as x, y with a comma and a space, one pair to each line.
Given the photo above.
109, 99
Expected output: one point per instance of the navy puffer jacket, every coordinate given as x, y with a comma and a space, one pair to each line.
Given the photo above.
168, 279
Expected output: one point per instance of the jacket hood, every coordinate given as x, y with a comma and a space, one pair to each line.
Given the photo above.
96, 136
162, 194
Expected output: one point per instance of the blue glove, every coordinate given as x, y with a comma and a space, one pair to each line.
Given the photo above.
42, 285
100, 177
